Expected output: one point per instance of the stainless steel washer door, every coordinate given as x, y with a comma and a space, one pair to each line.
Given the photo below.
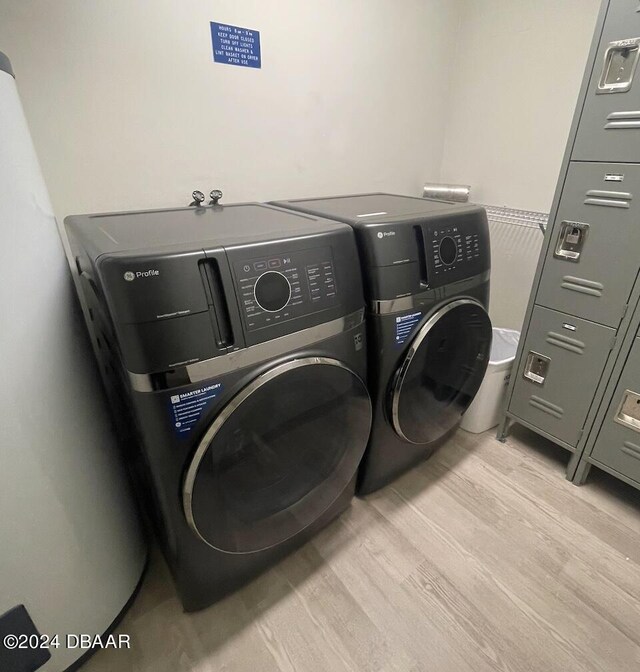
278, 455
441, 372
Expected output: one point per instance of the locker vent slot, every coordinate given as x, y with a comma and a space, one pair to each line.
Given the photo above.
582, 285
629, 411
631, 449
546, 406
562, 341
622, 120
611, 199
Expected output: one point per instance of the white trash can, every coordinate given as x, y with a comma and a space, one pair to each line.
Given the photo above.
484, 412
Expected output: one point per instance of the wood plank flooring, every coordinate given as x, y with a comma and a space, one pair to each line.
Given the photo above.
483, 558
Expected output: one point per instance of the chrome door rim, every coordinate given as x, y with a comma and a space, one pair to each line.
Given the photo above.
415, 345
227, 412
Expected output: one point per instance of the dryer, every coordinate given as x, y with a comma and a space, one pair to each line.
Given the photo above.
426, 267
232, 338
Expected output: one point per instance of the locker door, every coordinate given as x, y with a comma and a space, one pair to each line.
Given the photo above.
618, 443
559, 371
610, 123
593, 258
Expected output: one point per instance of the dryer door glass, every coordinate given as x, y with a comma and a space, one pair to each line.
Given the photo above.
278, 455
442, 372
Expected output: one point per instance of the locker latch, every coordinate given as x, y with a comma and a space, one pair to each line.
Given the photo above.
571, 240
620, 60
536, 367
629, 410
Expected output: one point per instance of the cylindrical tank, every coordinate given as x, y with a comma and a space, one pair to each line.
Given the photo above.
458, 193
71, 549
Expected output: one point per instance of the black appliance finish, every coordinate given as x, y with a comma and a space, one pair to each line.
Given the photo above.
233, 338
426, 268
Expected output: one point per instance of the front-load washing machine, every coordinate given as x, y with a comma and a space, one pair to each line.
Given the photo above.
426, 268
233, 338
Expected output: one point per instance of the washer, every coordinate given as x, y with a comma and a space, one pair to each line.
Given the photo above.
233, 337
426, 267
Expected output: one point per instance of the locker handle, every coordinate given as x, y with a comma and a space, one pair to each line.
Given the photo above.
619, 66
628, 413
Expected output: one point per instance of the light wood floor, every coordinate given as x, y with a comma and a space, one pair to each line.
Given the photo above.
484, 558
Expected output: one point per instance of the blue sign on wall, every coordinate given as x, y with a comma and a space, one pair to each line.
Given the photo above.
235, 46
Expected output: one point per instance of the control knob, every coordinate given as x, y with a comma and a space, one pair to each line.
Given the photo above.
272, 291
448, 250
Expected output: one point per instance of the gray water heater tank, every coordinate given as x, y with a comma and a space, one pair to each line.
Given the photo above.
71, 550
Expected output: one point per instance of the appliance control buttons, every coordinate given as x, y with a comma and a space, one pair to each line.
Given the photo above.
322, 284
302, 284
272, 291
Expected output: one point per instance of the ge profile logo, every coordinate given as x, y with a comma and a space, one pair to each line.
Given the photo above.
130, 276
380, 234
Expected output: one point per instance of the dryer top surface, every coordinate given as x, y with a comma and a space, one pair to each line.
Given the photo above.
362, 210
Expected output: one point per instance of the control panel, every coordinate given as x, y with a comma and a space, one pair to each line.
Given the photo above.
281, 287
455, 251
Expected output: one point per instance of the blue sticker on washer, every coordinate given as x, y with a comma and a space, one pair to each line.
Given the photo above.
186, 408
405, 325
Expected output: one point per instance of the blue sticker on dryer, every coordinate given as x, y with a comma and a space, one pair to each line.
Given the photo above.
186, 408
405, 325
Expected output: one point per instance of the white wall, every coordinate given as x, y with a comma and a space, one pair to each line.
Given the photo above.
518, 69
514, 257
128, 109
519, 65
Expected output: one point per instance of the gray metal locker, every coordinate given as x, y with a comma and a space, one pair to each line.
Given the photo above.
609, 127
592, 261
586, 287
560, 368
618, 444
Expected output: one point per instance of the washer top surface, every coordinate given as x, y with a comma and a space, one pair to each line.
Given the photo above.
365, 209
222, 225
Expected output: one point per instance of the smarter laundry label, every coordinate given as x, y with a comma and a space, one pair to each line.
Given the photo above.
186, 408
234, 45
405, 325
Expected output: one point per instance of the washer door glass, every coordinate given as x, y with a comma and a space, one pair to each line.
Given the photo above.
441, 372
278, 455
